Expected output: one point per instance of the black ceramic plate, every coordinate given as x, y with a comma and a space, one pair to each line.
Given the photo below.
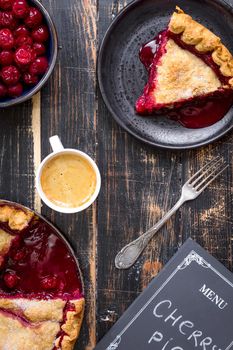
122, 76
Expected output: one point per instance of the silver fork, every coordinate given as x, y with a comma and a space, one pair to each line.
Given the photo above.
191, 190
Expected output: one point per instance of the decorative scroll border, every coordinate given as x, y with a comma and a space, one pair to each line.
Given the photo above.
191, 257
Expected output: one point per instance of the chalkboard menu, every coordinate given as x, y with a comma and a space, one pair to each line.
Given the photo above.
189, 305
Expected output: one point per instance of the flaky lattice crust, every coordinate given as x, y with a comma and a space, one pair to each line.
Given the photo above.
71, 326
42, 324
193, 33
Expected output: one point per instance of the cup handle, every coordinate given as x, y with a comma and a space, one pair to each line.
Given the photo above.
56, 144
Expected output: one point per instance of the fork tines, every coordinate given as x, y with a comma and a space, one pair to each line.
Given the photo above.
208, 173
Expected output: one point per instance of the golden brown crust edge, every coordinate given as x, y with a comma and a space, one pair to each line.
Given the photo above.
72, 326
193, 33
16, 218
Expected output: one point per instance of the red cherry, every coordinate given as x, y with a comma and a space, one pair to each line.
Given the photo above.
21, 30
40, 34
20, 9
50, 282
30, 79
11, 279
10, 75
6, 58
24, 55
39, 66
3, 92
39, 49
7, 20
15, 90
6, 4
6, 39
34, 18
23, 40
19, 255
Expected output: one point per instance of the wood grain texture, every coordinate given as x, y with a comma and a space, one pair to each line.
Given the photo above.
16, 154
139, 183
69, 110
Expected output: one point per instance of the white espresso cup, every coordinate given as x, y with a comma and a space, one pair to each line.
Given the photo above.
58, 149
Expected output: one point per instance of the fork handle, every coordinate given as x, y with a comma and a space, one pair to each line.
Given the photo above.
131, 252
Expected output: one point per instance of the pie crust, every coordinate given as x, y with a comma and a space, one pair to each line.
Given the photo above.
189, 65
32, 322
193, 33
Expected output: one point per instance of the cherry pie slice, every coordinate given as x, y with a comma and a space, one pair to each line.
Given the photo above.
41, 294
187, 65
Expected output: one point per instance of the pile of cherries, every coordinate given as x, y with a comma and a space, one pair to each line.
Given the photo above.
23, 40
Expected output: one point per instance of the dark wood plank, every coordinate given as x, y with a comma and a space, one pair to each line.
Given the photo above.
140, 183
16, 154
69, 110
209, 218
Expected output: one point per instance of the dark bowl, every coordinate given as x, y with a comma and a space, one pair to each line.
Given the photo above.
52, 48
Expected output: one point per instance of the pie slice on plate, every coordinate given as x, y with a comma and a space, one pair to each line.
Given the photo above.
189, 65
41, 295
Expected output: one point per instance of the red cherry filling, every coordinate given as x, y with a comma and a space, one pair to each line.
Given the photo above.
40, 265
49, 283
193, 113
20, 9
10, 279
34, 18
19, 255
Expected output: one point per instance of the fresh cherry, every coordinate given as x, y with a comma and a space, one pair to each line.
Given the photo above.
15, 90
10, 75
21, 30
40, 34
23, 40
49, 283
39, 66
6, 39
34, 18
20, 9
30, 79
24, 55
6, 57
11, 279
39, 49
7, 20
6, 4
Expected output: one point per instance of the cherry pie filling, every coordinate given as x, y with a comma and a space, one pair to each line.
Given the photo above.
195, 112
38, 266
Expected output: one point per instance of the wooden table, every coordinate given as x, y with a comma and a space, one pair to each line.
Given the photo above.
139, 183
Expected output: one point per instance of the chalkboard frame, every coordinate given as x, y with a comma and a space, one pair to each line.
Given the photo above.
192, 253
